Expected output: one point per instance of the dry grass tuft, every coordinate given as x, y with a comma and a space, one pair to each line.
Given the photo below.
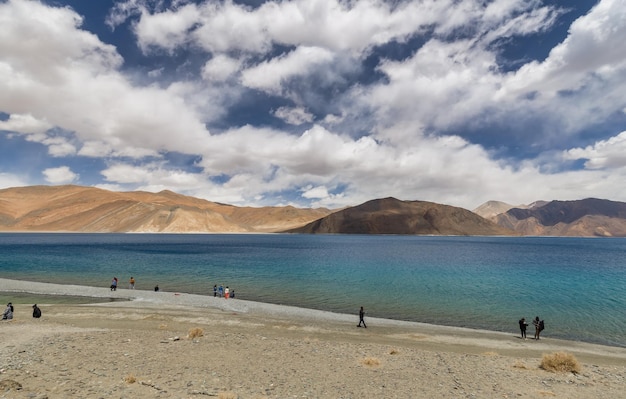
130, 379
195, 333
560, 362
490, 353
394, 351
371, 362
546, 393
162, 326
226, 395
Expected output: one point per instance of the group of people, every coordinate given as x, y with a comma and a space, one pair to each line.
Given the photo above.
131, 284
223, 292
539, 326
8, 312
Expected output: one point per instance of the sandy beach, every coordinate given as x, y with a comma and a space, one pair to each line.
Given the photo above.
140, 347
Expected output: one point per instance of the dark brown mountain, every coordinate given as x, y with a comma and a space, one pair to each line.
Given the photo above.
583, 218
89, 209
393, 216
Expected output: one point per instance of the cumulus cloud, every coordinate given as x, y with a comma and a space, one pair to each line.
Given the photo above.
60, 175
382, 98
56, 72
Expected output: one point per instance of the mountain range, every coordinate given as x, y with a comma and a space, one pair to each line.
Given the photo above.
88, 209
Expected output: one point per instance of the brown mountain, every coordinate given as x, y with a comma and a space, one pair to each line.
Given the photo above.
89, 209
392, 216
582, 218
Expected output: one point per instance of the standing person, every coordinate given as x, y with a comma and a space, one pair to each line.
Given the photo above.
226, 292
131, 283
232, 293
8, 312
36, 311
361, 316
522, 327
114, 284
220, 291
156, 288
214, 290
538, 326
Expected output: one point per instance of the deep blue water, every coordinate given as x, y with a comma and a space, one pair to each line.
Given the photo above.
578, 285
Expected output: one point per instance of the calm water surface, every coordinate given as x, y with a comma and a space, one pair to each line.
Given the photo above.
578, 285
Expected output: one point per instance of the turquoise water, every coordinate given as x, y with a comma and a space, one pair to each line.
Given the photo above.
577, 285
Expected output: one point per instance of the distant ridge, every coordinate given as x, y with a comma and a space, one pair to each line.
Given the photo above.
491, 209
88, 209
585, 218
393, 216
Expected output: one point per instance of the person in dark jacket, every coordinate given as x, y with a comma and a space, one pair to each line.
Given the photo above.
36, 311
522, 327
361, 316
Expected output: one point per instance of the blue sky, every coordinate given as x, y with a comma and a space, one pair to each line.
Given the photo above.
317, 102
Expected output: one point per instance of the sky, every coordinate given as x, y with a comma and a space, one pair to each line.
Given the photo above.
317, 103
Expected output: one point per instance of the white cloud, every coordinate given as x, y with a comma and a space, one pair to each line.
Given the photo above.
442, 84
594, 48
60, 175
168, 29
64, 88
45, 57
294, 116
319, 192
270, 74
220, 68
609, 153
25, 124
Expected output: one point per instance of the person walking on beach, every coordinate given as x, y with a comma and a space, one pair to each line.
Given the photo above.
522, 327
539, 325
361, 316
36, 311
131, 283
114, 284
226, 292
8, 312
220, 291
214, 290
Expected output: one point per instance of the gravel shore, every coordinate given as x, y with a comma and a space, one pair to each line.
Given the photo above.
144, 347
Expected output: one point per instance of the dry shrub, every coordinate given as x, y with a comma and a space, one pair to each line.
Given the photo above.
560, 362
394, 352
371, 362
130, 379
195, 333
226, 395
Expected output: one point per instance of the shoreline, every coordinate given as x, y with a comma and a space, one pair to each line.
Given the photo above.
141, 346
464, 337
